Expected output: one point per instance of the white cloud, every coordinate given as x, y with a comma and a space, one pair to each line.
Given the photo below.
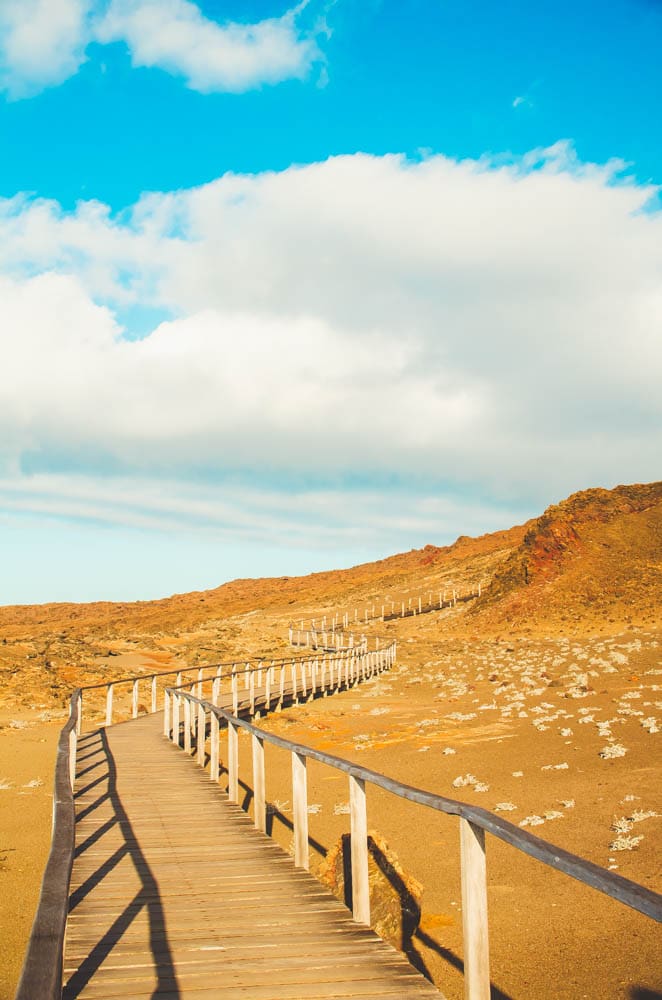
253, 514
175, 36
212, 390
43, 43
479, 325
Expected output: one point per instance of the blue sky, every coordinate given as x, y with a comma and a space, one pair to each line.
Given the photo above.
289, 288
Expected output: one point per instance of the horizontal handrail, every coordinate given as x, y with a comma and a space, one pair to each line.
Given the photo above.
238, 663
42, 968
630, 893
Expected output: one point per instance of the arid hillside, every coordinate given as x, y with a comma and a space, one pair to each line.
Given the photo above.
594, 558
592, 561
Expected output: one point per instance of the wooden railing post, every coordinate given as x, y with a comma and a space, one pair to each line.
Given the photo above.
267, 687
176, 707
134, 701
215, 690
79, 720
193, 718
359, 850
235, 693
214, 741
166, 714
295, 697
154, 704
259, 788
202, 732
109, 705
281, 692
187, 725
474, 912
233, 762
300, 810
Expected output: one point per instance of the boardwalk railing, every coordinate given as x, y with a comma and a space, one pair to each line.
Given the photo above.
327, 639
390, 610
474, 824
287, 679
233, 675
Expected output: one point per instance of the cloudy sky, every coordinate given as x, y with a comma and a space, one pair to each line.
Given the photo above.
288, 288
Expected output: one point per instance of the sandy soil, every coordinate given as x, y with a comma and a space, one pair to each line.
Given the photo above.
27, 757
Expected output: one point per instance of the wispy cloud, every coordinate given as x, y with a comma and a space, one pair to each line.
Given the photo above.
236, 511
522, 101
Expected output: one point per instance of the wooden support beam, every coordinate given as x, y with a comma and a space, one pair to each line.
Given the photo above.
300, 810
166, 714
194, 715
202, 732
176, 711
235, 693
474, 912
109, 705
259, 786
214, 741
154, 701
187, 725
233, 762
359, 850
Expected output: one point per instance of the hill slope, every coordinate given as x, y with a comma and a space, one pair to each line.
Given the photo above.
596, 555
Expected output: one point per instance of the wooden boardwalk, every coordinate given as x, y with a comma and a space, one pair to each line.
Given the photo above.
175, 894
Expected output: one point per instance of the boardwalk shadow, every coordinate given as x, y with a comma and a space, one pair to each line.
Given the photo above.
146, 899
